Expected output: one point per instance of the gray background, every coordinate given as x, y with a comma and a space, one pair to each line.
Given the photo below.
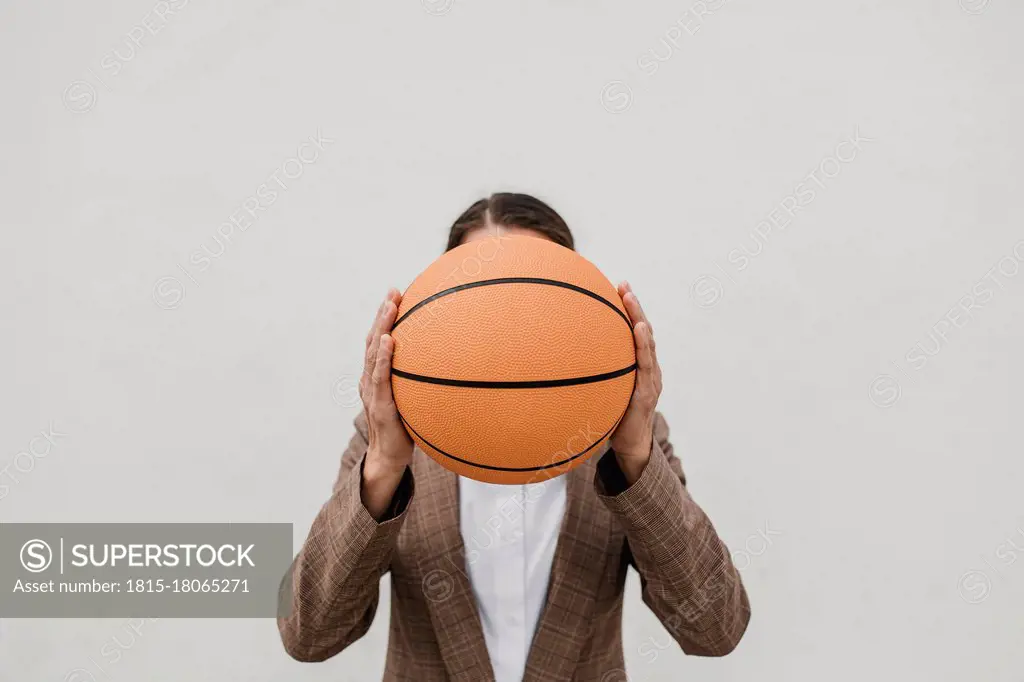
889, 510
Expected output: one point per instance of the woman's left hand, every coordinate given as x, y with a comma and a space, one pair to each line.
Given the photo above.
633, 439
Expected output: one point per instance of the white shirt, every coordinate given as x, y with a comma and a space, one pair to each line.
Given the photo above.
509, 533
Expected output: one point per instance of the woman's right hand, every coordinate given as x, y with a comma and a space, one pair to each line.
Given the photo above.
389, 449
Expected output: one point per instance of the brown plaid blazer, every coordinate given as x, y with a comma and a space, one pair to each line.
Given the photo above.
687, 575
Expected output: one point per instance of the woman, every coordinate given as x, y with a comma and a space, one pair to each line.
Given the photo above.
506, 583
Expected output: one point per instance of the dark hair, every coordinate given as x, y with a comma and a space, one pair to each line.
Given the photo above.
508, 210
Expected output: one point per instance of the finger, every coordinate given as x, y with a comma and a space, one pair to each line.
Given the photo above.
636, 313
382, 396
642, 316
373, 325
644, 357
648, 378
384, 324
370, 357
373, 328
643, 313
387, 317
395, 296
373, 342
655, 364
624, 290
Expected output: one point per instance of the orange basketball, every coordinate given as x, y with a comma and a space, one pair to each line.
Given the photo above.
514, 359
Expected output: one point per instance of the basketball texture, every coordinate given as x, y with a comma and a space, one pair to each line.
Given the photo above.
514, 359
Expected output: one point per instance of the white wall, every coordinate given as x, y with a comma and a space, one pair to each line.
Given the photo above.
235, 404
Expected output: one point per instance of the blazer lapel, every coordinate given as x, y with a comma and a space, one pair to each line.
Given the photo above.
576, 573
446, 586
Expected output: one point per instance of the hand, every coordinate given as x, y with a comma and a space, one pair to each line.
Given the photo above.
633, 438
389, 449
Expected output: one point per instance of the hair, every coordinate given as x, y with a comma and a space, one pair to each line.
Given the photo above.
512, 210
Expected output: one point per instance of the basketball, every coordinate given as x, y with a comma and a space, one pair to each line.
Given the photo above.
513, 360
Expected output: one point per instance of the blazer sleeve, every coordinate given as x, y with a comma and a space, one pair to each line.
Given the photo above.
686, 572
330, 596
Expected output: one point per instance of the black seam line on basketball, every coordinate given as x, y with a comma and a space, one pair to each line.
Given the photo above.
539, 383
537, 468
547, 466
513, 280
